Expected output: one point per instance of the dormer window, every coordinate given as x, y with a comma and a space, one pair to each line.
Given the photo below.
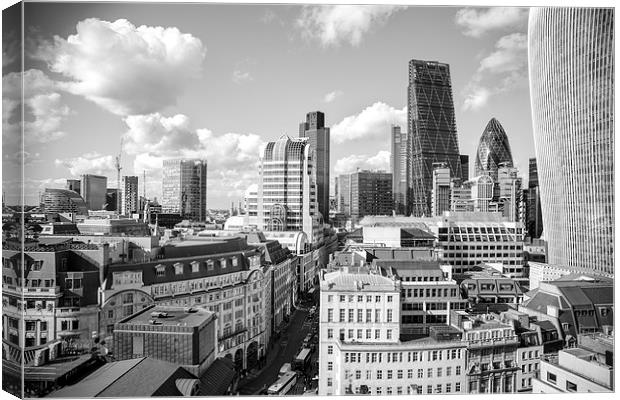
178, 269
223, 263
210, 265
195, 266
36, 265
235, 261
160, 271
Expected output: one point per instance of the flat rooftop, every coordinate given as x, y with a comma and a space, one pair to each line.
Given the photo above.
174, 316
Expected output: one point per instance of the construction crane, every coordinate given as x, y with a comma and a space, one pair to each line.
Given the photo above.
118, 178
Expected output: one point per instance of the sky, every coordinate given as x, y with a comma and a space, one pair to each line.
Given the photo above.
218, 81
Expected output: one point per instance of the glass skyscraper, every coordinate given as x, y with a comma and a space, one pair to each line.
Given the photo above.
318, 137
571, 69
493, 150
399, 166
432, 126
184, 188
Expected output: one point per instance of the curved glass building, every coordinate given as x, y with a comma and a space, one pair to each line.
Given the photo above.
571, 69
493, 149
63, 201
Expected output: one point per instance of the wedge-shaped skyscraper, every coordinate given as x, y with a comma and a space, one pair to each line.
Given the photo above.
571, 69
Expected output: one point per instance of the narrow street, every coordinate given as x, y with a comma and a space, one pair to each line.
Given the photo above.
283, 351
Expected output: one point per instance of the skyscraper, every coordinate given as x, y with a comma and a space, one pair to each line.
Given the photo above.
318, 137
93, 190
129, 195
344, 194
371, 194
399, 166
509, 189
571, 70
441, 189
493, 149
432, 127
287, 195
464, 167
184, 188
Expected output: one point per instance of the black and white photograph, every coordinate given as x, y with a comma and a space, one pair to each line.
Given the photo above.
307, 199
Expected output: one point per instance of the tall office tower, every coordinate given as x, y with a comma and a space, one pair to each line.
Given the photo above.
441, 189
482, 192
464, 167
399, 166
93, 190
184, 188
509, 188
318, 136
344, 194
74, 184
493, 149
129, 199
371, 194
533, 219
571, 69
432, 127
111, 196
287, 195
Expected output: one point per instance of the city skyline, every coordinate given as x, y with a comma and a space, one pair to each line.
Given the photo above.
361, 90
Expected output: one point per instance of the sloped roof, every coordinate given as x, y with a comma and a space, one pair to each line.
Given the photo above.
217, 378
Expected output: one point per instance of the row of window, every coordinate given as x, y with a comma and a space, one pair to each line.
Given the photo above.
430, 292
409, 356
352, 334
200, 284
484, 247
223, 263
342, 316
400, 374
359, 298
410, 389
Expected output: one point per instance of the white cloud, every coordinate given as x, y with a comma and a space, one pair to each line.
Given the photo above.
123, 68
332, 25
349, 164
44, 113
510, 55
90, 163
477, 22
240, 77
374, 121
232, 158
476, 99
331, 96
502, 70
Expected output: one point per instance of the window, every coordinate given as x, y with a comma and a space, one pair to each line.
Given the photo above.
350, 315
350, 333
341, 316
330, 382
389, 390
330, 298
330, 349
389, 299
195, 266
379, 374
409, 374
360, 315
210, 265
439, 372
448, 371
368, 334
552, 377
235, 261
448, 387
389, 315
429, 389
389, 374
438, 388
377, 315
160, 271
330, 365
399, 374
457, 387
330, 333
458, 371
570, 386
223, 263
429, 373
360, 298
389, 334
358, 374
377, 299
359, 333
330, 315
178, 269
377, 334
368, 315
420, 373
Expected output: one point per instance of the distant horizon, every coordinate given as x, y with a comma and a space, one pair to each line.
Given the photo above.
186, 80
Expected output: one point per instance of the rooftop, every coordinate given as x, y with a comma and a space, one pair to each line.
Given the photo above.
170, 316
365, 282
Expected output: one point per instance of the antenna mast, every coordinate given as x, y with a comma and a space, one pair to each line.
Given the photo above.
118, 178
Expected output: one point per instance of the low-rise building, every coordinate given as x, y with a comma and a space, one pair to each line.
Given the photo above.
182, 336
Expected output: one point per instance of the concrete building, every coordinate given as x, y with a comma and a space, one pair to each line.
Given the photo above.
223, 275
360, 350
543, 272
344, 194
63, 201
460, 196
184, 188
575, 370
93, 190
318, 136
482, 190
287, 196
432, 126
113, 227
491, 353
440, 195
400, 162
509, 191
371, 194
182, 336
129, 197
574, 141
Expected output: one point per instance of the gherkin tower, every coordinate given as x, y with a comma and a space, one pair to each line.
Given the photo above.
493, 150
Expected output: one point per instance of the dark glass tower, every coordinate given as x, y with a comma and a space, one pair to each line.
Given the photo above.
318, 137
493, 149
432, 127
534, 211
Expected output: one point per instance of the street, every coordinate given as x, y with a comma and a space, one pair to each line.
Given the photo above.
283, 351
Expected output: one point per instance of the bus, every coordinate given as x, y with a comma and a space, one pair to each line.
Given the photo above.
302, 361
283, 384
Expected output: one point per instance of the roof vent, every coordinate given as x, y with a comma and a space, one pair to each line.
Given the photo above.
155, 322
191, 310
159, 314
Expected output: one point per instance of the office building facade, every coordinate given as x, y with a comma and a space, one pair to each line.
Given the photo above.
571, 70
287, 194
440, 195
63, 201
74, 184
318, 137
129, 193
432, 126
533, 217
371, 194
93, 191
184, 188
